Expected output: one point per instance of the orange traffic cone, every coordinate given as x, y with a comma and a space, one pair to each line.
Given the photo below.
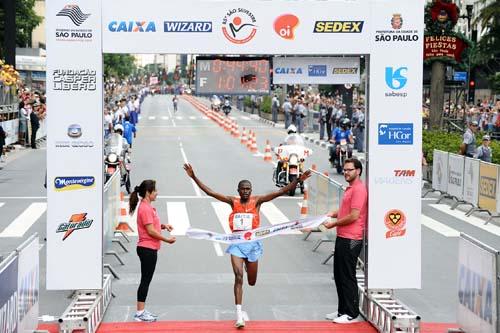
249, 141
254, 148
243, 140
236, 131
268, 157
123, 221
304, 207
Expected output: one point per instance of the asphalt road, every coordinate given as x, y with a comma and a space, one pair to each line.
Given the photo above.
193, 280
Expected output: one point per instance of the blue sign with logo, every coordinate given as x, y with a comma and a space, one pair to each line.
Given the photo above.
460, 76
316, 70
395, 134
73, 183
395, 78
187, 26
131, 26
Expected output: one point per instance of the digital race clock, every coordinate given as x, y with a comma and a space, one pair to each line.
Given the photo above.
232, 76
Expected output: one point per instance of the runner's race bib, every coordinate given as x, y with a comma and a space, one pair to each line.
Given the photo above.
242, 221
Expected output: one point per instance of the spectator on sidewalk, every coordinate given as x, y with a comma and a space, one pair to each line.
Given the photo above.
329, 118
287, 109
468, 146
484, 152
275, 106
358, 121
3, 135
128, 130
35, 125
23, 122
300, 112
323, 111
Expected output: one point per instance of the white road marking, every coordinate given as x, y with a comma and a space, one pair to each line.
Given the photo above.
196, 188
170, 114
2, 203
218, 249
205, 118
178, 217
222, 210
275, 216
164, 117
192, 117
23, 222
475, 221
245, 118
151, 117
140, 117
438, 227
23, 198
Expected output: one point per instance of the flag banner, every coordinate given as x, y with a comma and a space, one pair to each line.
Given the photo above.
259, 233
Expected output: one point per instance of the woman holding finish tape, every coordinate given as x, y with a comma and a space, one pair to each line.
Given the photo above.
148, 244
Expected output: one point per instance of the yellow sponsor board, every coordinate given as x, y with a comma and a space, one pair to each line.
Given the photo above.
488, 179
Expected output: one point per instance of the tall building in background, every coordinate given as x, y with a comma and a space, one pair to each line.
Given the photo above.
38, 35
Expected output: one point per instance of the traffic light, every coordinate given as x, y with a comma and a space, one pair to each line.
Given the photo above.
472, 88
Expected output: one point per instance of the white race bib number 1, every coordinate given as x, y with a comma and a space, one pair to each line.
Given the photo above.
242, 221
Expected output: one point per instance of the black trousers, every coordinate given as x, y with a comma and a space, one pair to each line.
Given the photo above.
148, 258
33, 136
344, 271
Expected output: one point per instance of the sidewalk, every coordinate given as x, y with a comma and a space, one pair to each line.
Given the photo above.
19, 151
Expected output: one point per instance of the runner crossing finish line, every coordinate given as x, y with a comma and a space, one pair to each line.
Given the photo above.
258, 233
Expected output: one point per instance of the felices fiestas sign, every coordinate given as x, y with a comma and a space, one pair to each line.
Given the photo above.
443, 46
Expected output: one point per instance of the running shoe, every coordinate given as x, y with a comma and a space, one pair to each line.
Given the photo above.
332, 316
346, 319
144, 317
150, 314
240, 323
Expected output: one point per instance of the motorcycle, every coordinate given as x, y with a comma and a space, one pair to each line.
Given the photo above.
117, 157
292, 158
226, 108
215, 103
344, 151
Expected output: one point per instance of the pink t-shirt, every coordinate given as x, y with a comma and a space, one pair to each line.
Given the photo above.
146, 214
355, 196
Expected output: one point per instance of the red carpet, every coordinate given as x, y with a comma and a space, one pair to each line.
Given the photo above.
253, 326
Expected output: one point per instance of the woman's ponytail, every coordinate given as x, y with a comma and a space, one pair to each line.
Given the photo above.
141, 190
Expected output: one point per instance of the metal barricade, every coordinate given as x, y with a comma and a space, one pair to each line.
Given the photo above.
111, 205
87, 309
9, 119
325, 194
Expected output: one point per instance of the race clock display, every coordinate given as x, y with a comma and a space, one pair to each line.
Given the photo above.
232, 76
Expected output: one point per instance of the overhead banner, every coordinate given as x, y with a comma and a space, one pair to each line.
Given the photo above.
232, 27
455, 185
74, 97
488, 186
477, 288
440, 170
471, 181
309, 70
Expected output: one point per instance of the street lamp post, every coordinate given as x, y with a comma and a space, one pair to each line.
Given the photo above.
468, 7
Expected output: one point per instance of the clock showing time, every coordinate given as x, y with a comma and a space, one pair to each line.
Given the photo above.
232, 76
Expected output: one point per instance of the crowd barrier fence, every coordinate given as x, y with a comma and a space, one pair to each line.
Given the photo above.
467, 181
20, 288
478, 286
111, 214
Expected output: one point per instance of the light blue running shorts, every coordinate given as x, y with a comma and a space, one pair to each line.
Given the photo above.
251, 250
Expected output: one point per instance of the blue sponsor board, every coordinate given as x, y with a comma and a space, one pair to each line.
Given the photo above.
9, 297
73, 183
395, 134
316, 70
460, 76
187, 26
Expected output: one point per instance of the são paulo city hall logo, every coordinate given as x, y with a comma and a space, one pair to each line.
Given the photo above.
239, 25
73, 33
